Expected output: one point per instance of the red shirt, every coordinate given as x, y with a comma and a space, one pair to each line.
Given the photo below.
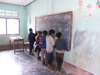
37, 40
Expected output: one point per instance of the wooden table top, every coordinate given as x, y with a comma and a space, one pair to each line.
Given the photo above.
18, 38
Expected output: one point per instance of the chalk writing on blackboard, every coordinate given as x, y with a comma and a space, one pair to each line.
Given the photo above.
61, 22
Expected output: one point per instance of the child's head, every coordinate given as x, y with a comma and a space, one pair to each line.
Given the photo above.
51, 32
44, 33
30, 30
39, 33
59, 35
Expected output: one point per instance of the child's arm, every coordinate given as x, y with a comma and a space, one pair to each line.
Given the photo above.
65, 45
36, 33
53, 42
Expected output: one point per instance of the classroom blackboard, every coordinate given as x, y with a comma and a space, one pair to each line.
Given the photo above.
61, 22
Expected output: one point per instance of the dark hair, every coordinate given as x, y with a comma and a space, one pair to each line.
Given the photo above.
39, 32
30, 29
51, 31
59, 34
45, 32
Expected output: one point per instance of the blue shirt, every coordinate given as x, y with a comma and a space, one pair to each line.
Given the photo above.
43, 42
60, 44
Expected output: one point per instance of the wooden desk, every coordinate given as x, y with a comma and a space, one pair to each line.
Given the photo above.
16, 39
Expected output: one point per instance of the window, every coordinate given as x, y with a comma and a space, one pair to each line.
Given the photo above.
2, 26
8, 13
9, 26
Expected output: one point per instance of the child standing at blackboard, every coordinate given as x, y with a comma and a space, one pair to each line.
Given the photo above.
50, 42
31, 38
60, 46
37, 49
43, 49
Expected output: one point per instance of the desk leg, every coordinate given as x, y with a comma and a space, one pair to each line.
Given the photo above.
18, 45
14, 47
10, 44
23, 45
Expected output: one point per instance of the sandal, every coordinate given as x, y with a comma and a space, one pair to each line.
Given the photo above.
59, 72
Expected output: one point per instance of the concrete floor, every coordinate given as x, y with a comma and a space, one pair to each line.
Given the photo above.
23, 64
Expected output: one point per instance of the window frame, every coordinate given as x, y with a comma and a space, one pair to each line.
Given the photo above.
6, 26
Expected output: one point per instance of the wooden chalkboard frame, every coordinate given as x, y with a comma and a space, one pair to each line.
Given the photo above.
71, 24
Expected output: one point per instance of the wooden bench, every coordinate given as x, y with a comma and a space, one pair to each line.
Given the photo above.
26, 45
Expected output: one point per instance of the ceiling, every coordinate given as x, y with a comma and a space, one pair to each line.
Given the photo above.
17, 2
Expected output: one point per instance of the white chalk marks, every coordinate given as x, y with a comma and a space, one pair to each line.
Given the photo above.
86, 41
78, 38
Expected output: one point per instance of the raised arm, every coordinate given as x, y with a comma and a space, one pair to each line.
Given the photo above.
36, 33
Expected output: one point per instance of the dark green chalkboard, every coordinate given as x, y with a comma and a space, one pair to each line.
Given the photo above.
59, 22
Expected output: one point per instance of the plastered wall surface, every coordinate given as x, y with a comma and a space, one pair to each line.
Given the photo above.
85, 51
4, 39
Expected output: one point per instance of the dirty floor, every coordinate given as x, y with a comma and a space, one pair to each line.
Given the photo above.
23, 64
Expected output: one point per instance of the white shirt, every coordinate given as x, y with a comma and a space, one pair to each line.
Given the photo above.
50, 42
